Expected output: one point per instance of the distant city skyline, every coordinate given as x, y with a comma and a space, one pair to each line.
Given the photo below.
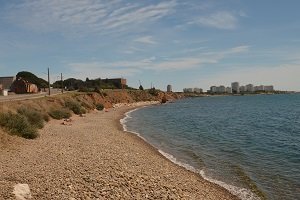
184, 43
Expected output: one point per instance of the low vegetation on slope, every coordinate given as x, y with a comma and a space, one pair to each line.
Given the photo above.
24, 118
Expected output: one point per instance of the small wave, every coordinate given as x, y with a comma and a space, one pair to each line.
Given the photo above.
127, 116
242, 193
174, 160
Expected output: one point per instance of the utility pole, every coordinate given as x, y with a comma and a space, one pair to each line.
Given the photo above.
62, 83
49, 81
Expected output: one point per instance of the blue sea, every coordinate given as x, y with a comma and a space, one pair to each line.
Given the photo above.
249, 145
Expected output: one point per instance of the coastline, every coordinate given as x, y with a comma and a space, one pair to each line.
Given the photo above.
95, 159
239, 192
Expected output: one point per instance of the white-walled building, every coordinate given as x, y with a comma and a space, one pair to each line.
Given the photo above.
169, 88
250, 88
188, 90
198, 90
235, 86
243, 89
221, 89
213, 89
259, 88
269, 88
228, 90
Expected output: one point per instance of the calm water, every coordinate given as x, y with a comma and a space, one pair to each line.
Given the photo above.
247, 144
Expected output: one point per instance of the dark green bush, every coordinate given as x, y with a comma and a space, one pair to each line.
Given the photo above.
75, 107
99, 106
46, 117
18, 125
60, 113
34, 117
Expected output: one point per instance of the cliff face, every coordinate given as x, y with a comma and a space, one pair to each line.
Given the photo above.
32, 112
88, 100
108, 98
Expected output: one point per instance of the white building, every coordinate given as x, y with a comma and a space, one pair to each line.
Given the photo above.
228, 90
213, 89
221, 89
188, 90
269, 88
259, 88
243, 89
235, 87
169, 88
249, 88
198, 90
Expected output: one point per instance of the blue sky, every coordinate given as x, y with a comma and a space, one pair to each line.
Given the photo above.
192, 43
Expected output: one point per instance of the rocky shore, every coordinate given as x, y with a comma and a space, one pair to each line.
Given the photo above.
93, 158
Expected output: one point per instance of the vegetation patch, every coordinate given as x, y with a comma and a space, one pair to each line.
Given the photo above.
34, 117
60, 113
17, 124
99, 106
75, 107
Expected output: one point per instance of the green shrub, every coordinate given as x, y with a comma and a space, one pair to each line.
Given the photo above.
18, 125
46, 117
75, 107
99, 106
34, 117
60, 113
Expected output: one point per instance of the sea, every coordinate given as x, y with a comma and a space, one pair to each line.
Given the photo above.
249, 145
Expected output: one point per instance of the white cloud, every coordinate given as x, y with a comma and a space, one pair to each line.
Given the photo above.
127, 68
220, 20
145, 40
85, 15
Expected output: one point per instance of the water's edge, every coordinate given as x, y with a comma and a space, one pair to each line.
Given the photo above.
242, 193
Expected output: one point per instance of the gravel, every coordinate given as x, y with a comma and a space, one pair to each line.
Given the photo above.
92, 158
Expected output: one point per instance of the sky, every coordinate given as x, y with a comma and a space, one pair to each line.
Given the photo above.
184, 43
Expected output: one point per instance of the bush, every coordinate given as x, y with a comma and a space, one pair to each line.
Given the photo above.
46, 117
18, 125
60, 113
99, 106
75, 107
34, 117
153, 92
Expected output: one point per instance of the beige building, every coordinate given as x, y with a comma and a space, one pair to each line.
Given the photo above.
6, 82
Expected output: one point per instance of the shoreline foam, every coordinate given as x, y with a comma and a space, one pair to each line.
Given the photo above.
242, 193
95, 159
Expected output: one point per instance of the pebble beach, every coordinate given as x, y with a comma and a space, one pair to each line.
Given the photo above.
91, 157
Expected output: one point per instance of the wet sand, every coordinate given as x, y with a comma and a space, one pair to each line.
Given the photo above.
93, 158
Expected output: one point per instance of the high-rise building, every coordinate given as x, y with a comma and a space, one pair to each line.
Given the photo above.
249, 88
169, 88
228, 90
221, 89
235, 87
213, 89
243, 88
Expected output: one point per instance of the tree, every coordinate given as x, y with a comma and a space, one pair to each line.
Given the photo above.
30, 77
141, 87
